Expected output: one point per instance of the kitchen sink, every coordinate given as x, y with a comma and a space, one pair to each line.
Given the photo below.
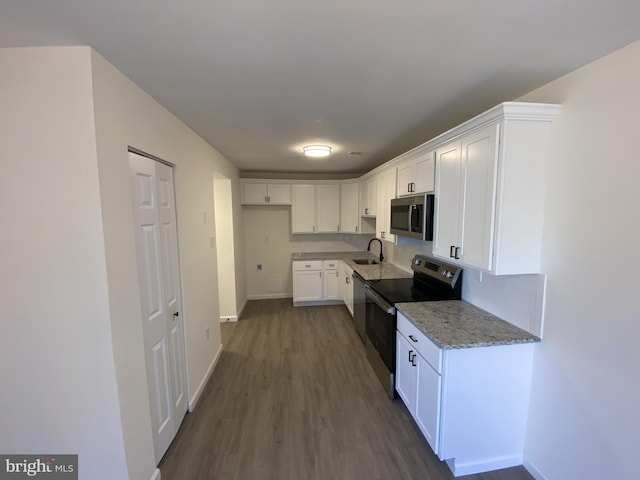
364, 261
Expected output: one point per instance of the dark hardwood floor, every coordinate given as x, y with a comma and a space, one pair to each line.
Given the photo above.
293, 398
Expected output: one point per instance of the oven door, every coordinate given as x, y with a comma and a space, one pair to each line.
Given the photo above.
380, 342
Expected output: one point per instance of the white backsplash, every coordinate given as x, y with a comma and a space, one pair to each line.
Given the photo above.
518, 299
339, 242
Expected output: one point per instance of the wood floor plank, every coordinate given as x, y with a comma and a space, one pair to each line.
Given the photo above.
293, 398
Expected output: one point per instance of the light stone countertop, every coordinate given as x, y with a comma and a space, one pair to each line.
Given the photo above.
380, 271
458, 324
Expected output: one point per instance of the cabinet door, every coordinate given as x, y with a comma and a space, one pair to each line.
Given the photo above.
303, 209
479, 163
390, 193
364, 198
406, 373
307, 286
331, 284
349, 217
279, 194
327, 208
381, 207
254, 193
372, 195
424, 173
427, 407
386, 189
406, 179
447, 211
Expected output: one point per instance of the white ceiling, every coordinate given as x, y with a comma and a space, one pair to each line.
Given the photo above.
258, 79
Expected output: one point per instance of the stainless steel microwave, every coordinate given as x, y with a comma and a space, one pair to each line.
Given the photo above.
413, 217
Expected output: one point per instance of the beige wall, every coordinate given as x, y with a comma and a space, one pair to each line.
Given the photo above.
225, 248
72, 364
58, 378
127, 116
269, 242
584, 419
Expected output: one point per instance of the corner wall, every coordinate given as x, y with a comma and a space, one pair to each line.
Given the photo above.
584, 420
57, 374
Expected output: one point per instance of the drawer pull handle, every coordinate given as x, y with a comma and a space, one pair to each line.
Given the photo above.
413, 339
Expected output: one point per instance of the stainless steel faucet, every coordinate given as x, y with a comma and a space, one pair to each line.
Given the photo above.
369, 247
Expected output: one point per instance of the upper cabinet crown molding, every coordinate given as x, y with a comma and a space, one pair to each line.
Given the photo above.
505, 110
535, 112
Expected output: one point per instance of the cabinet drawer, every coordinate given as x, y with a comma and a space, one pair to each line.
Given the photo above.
418, 340
308, 265
330, 264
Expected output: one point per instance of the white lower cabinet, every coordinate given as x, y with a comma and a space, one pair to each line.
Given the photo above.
331, 280
307, 281
316, 282
471, 404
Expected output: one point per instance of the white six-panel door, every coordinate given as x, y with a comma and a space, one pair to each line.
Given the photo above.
158, 270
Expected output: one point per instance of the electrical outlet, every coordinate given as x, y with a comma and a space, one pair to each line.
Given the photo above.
207, 333
259, 266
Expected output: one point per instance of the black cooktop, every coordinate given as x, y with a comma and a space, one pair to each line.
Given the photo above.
432, 280
400, 290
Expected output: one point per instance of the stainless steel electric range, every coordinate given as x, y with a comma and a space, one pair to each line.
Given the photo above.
433, 280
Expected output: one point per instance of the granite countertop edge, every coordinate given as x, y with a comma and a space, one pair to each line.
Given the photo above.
380, 271
456, 324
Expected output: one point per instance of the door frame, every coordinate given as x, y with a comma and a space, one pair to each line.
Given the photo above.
181, 317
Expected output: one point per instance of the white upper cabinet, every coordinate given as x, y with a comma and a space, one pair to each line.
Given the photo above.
266, 194
489, 187
328, 208
349, 211
368, 197
416, 175
466, 209
386, 190
303, 209
315, 209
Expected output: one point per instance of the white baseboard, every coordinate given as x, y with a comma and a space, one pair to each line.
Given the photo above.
535, 473
460, 468
156, 475
230, 318
198, 392
268, 296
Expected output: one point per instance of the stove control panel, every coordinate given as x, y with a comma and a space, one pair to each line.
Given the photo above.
444, 272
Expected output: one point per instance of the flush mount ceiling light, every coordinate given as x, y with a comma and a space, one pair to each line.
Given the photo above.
317, 150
